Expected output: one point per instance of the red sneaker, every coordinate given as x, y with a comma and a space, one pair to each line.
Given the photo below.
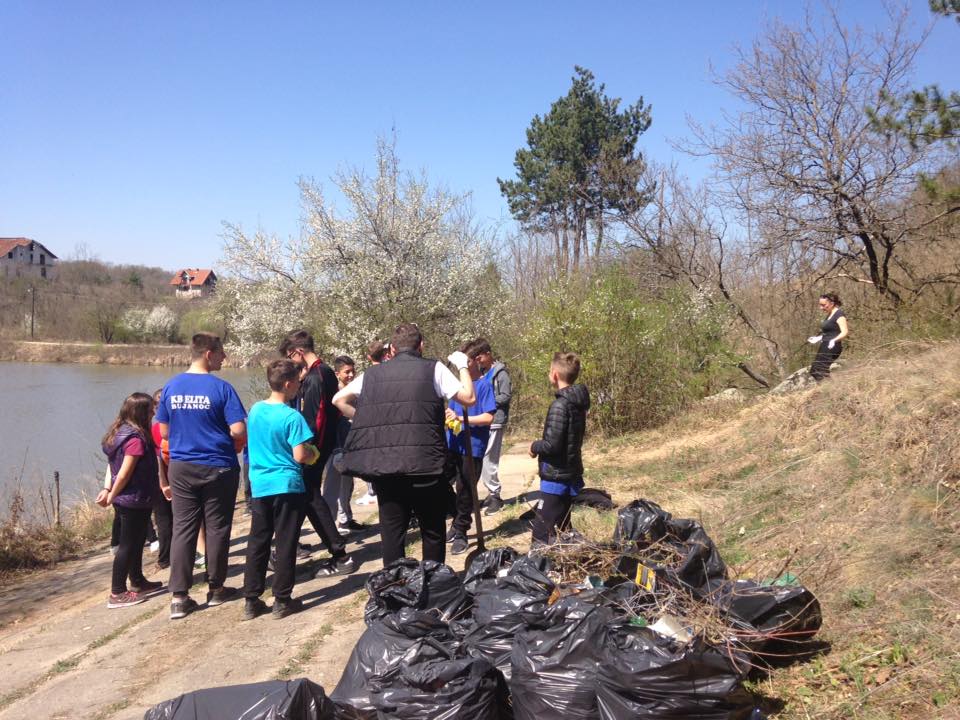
124, 599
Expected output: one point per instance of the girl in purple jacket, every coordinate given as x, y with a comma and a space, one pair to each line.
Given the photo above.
134, 488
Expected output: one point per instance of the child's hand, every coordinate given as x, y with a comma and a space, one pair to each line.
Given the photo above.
532, 453
102, 498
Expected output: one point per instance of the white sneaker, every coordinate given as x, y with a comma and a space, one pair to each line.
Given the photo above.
367, 499
155, 546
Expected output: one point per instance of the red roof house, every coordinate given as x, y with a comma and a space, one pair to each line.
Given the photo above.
22, 257
194, 282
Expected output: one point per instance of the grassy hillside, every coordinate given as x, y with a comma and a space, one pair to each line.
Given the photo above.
852, 486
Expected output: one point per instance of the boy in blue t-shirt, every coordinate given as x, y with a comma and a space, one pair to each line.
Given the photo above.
480, 416
279, 444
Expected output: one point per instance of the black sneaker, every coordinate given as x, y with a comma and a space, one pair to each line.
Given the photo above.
181, 607
351, 525
289, 606
451, 535
254, 607
220, 595
343, 566
459, 545
494, 505
303, 554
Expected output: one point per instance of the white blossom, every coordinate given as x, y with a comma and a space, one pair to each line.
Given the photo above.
402, 252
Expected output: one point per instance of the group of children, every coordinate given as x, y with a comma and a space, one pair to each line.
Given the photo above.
280, 445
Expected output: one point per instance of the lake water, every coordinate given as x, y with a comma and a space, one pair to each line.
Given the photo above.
53, 415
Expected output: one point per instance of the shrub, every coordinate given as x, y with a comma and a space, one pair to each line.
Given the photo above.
642, 357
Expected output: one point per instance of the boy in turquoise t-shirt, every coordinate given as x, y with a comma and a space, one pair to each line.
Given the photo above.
279, 444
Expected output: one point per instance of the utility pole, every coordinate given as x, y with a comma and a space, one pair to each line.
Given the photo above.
33, 307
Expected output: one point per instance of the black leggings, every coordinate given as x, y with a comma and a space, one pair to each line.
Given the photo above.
554, 514
163, 517
128, 562
824, 359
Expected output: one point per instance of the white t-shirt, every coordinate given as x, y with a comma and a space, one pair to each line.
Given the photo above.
445, 383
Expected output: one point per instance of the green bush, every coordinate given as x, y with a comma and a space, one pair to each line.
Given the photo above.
642, 357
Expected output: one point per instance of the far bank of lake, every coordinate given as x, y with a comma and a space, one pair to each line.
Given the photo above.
86, 353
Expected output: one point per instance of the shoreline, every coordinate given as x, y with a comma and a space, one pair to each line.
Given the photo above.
87, 353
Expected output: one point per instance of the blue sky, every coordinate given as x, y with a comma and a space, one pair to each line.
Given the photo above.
134, 129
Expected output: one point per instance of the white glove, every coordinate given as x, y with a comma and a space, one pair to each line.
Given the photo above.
458, 359
831, 343
814, 339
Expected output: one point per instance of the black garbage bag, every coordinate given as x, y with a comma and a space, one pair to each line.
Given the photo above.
701, 567
272, 700
774, 619
595, 498
680, 551
426, 585
380, 651
642, 521
643, 674
554, 662
504, 606
431, 683
488, 565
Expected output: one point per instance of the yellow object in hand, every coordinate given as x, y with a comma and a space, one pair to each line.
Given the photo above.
455, 425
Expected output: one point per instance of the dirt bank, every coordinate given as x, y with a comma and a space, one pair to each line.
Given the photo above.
98, 353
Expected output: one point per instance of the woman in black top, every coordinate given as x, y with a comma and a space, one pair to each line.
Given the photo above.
832, 331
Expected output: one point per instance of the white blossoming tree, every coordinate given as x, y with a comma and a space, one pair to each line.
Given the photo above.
402, 252
161, 323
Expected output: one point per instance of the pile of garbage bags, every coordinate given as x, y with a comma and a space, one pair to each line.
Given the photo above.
514, 640
663, 633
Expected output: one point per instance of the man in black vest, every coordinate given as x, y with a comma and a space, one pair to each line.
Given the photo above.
397, 439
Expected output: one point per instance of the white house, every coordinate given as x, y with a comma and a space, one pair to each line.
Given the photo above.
23, 257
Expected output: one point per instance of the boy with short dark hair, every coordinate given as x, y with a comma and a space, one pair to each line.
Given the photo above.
279, 442
559, 450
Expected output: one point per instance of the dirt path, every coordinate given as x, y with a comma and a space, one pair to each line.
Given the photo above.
64, 655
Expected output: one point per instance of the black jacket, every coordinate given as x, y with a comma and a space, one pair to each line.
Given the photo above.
398, 429
315, 403
559, 452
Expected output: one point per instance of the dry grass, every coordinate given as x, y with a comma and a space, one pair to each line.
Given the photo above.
29, 541
854, 486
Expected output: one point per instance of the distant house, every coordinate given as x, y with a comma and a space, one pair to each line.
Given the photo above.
23, 257
194, 283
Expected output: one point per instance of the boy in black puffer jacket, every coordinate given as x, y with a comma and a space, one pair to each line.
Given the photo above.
559, 451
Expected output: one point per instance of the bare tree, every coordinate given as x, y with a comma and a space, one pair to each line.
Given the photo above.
801, 159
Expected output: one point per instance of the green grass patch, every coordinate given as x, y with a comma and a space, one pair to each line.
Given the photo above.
306, 652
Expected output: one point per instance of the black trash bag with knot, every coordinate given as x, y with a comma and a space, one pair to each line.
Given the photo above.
378, 652
554, 662
774, 621
272, 700
643, 674
431, 683
679, 550
640, 522
504, 606
426, 585
488, 565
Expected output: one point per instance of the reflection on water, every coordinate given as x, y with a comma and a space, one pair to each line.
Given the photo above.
52, 416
